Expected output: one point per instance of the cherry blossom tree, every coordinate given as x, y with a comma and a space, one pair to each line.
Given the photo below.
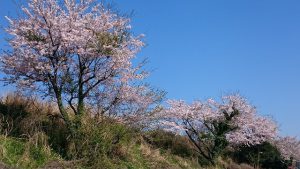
289, 147
212, 126
77, 52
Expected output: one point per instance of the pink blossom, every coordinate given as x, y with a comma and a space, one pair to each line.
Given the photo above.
289, 147
250, 128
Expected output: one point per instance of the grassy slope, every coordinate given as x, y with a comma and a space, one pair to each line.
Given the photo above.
15, 153
24, 117
19, 154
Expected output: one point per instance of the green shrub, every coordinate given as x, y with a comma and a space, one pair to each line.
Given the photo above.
265, 155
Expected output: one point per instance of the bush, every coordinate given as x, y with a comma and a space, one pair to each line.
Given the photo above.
265, 155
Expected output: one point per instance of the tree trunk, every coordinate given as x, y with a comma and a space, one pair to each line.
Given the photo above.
64, 113
80, 103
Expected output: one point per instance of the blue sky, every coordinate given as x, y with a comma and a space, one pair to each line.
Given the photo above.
207, 48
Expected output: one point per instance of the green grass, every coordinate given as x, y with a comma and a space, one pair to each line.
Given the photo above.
18, 153
11, 150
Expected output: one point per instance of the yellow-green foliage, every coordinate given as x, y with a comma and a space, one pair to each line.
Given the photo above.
25, 154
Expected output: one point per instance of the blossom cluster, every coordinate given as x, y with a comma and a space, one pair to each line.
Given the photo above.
248, 128
288, 146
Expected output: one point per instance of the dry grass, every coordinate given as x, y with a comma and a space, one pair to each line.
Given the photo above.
229, 164
23, 117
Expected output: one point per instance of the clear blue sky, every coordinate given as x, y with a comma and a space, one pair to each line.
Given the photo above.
206, 48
